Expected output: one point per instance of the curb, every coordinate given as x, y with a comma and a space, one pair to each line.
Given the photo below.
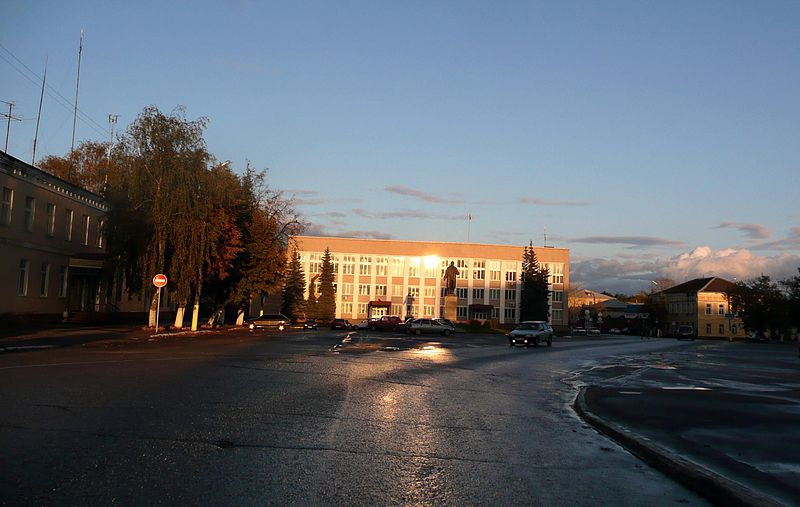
712, 486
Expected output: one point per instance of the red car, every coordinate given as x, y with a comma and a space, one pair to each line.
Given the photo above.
385, 323
340, 324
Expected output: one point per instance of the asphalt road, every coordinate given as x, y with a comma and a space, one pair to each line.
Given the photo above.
306, 418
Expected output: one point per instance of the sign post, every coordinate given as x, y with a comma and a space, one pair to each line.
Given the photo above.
159, 281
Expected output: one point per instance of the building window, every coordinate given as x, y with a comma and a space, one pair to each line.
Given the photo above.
708, 329
721, 309
349, 265
347, 289
414, 291
347, 309
85, 230
479, 270
45, 281
430, 292
397, 309
708, 308
397, 266
477, 294
365, 265
510, 313
722, 329
397, 290
380, 265
734, 329
461, 292
463, 270
62, 282
68, 216
22, 285
101, 233
51, 219
6, 206
363, 290
413, 267
30, 213
511, 276
511, 295
427, 310
380, 290
557, 315
461, 312
558, 296
495, 313
494, 294
362, 308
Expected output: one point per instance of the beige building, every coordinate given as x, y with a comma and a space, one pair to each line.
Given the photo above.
703, 304
52, 243
389, 277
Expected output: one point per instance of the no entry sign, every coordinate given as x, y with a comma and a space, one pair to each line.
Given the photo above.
160, 280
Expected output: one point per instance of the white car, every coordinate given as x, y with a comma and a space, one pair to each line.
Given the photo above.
531, 332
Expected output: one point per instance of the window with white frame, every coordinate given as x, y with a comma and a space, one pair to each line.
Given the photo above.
555, 271
365, 265
427, 311
511, 295
362, 308
494, 270
511, 276
708, 308
30, 213
722, 329
430, 292
461, 292
557, 315
477, 294
380, 290
85, 230
347, 308
461, 312
397, 309
721, 309
397, 290
558, 296
363, 289
348, 265
463, 269
708, 328
22, 283
398, 263
347, 289
413, 267
494, 294
101, 232
381, 264
51, 219
45, 280
444, 291
414, 291
6, 205
495, 313
68, 217
478, 269
62, 281
314, 263
510, 313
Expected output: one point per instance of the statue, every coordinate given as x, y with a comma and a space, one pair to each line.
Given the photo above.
450, 275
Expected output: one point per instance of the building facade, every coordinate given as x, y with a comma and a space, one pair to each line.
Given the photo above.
392, 277
52, 243
703, 304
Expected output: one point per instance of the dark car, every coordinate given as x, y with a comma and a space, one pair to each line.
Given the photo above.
310, 324
340, 324
685, 332
271, 320
419, 326
531, 332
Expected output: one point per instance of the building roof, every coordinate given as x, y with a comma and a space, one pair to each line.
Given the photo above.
710, 284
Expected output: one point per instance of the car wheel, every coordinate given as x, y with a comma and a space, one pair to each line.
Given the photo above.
536, 341
372, 328
446, 332
549, 341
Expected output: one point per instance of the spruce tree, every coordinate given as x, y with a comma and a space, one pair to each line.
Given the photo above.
534, 304
326, 307
311, 300
293, 289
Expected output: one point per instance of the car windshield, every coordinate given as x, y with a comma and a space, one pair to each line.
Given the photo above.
530, 325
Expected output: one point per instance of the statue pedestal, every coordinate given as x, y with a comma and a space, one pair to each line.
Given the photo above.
450, 303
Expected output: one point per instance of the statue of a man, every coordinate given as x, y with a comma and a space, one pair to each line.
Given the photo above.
450, 275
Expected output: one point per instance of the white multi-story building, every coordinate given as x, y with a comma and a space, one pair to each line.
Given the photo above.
382, 277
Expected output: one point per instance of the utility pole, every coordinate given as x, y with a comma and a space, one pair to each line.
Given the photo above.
77, 87
10, 117
39, 116
112, 120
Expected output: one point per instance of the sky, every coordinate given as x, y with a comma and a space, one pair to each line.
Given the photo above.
652, 139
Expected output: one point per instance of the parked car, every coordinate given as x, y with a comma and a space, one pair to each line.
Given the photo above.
419, 326
593, 330
385, 323
685, 332
531, 332
446, 322
578, 331
271, 320
310, 324
364, 324
341, 324
614, 330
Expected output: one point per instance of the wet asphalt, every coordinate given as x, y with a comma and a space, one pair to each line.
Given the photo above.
314, 417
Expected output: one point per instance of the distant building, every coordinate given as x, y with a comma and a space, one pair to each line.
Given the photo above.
703, 304
376, 277
52, 243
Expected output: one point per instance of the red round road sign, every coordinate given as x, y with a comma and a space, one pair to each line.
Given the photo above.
160, 280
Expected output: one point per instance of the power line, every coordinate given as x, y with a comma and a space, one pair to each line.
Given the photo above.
10, 117
56, 95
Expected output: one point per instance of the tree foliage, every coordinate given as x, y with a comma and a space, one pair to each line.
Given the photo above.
760, 304
327, 298
534, 299
293, 289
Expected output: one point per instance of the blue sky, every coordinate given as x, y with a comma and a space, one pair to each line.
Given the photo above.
650, 138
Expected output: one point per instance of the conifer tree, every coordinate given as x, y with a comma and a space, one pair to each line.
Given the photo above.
293, 289
534, 304
327, 298
311, 300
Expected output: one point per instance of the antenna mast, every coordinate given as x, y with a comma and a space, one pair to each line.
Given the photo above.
39, 116
77, 87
